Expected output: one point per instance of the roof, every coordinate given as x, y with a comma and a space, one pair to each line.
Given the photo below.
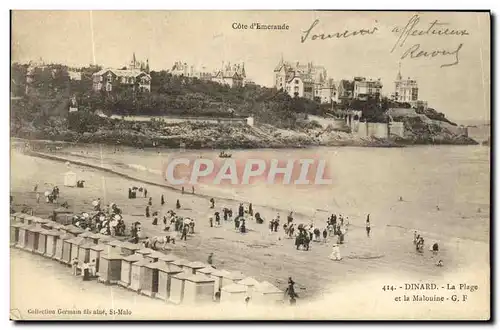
234, 288
145, 251
169, 257
196, 264
73, 229
154, 265
115, 243
199, 278
169, 268
112, 256
142, 262
122, 73
87, 245
207, 270
39, 220
266, 287
98, 247
182, 276
220, 272
180, 262
235, 275
249, 281
77, 240
133, 257
85, 234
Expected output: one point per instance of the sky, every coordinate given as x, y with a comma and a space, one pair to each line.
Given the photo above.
207, 38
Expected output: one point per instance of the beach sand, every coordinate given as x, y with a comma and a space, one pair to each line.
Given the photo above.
387, 254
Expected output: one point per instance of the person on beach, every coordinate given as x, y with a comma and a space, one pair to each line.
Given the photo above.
147, 211
162, 200
217, 219
210, 259
250, 209
192, 190
182, 190
211, 220
145, 193
290, 291
290, 218
368, 227
325, 235
434, 248
150, 202
330, 229
178, 205
74, 266
184, 232
38, 198
155, 220
415, 237
129, 193
243, 228
92, 268
241, 210
212, 202
335, 255
440, 263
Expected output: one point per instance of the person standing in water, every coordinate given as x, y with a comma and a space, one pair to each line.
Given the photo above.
162, 200
368, 226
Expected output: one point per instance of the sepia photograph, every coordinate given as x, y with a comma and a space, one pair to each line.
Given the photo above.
250, 165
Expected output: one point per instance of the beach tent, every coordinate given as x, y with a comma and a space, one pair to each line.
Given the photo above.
32, 236
110, 268
70, 179
250, 284
144, 251
149, 280
60, 246
137, 273
217, 275
95, 254
206, 271
14, 233
42, 241
84, 252
51, 239
165, 273
233, 293
177, 283
127, 262
231, 278
192, 267
180, 263
198, 288
265, 292
128, 248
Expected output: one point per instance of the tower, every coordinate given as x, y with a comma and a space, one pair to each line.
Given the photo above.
399, 77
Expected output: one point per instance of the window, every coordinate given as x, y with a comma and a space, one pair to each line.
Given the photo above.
296, 81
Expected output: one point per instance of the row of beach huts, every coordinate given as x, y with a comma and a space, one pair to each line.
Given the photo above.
145, 271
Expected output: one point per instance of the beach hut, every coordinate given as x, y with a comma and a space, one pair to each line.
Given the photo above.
75, 246
13, 217
192, 267
128, 248
231, 278
110, 268
233, 293
95, 254
113, 247
14, 233
73, 230
180, 263
70, 179
165, 273
127, 262
154, 257
21, 242
144, 251
137, 273
32, 236
198, 288
250, 284
40, 222
149, 282
42, 241
84, 252
86, 235
217, 275
94, 237
60, 246
29, 219
66, 255
265, 292
177, 283
21, 216
206, 271
51, 241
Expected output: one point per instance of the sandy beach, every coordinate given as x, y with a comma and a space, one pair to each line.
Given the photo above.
387, 255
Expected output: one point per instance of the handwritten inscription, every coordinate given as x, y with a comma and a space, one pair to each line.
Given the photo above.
308, 35
435, 28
